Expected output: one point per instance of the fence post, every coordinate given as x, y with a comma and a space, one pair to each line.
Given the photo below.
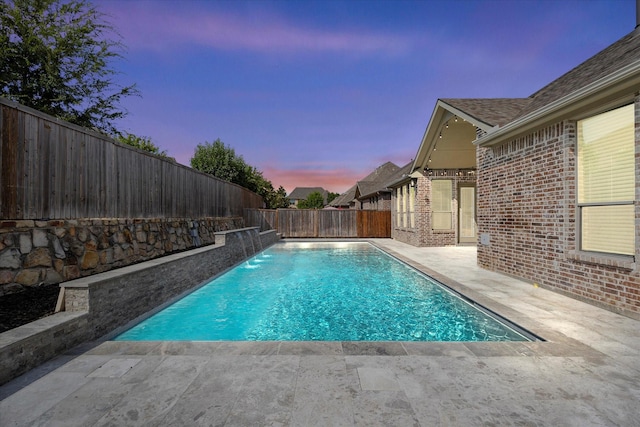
8, 172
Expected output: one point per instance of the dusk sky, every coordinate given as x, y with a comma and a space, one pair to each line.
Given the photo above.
321, 93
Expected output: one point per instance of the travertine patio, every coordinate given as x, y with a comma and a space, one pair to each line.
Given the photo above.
587, 373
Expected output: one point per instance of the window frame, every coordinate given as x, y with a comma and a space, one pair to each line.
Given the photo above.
580, 205
450, 211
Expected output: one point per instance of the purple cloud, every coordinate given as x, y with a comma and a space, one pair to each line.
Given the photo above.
149, 26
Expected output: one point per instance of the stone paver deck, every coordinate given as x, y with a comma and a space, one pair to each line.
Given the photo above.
587, 373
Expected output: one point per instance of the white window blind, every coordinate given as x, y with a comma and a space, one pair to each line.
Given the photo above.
412, 204
467, 212
606, 181
405, 205
441, 197
399, 207
608, 229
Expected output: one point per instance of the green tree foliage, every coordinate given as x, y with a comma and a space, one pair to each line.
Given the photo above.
140, 142
331, 197
314, 200
221, 161
54, 57
278, 199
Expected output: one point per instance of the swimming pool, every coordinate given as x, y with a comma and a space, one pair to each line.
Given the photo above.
322, 292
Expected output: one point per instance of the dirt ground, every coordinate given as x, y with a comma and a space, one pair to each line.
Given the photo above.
23, 307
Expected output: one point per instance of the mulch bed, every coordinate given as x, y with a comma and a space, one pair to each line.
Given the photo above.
33, 303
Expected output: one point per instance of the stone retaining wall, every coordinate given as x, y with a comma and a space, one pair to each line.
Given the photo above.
55, 251
99, 304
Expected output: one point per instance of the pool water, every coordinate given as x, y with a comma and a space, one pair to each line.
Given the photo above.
326, 292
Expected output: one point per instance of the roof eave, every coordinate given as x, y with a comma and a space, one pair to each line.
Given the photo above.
607, 92
441, 113
403, 180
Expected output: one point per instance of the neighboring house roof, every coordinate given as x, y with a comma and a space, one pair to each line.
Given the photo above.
344, 199
376, 182
367, 185
301, 193
401, 176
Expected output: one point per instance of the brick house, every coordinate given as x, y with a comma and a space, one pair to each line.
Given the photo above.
301, 193
559, 186
434, 202
557, 177
371, 192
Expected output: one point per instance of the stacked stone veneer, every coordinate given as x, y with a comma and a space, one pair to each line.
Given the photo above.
46, 252
423, 234
99, 304
527, 221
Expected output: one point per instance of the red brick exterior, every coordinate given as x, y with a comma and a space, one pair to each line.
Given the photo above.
381, 202
422, 234
527, 220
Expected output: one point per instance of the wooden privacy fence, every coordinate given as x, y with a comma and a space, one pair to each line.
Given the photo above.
53, 169
321, 223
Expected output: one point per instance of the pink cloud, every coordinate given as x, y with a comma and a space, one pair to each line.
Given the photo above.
149, 26
335, 180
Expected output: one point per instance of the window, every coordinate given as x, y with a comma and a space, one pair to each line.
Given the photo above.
412, 203
606, 182
399, 205
441, 196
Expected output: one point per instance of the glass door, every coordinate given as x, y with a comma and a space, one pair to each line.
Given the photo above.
467, 216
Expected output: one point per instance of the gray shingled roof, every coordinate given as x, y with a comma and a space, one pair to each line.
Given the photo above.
400, 174
369, 184
300, 193
492, 111
620, 54
500, 111
376, 180
345, 198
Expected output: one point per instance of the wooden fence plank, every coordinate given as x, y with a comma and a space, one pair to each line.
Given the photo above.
52, 169
301, 223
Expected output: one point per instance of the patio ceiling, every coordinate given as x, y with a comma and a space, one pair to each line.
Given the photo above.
448, 140
453, 147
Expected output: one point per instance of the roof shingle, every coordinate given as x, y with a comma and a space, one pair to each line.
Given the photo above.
492, 111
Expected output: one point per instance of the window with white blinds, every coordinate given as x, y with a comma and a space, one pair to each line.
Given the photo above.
606, 182
399, 205
412, 204
441, 197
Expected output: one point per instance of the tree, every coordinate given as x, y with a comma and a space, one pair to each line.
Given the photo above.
140, 142
54, 57
314, 200
331, 197
221, 161
277, 199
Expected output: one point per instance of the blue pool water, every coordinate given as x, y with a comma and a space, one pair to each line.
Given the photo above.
326, 292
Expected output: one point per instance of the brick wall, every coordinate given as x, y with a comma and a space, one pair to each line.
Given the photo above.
380, 202
423, 234
527, 221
